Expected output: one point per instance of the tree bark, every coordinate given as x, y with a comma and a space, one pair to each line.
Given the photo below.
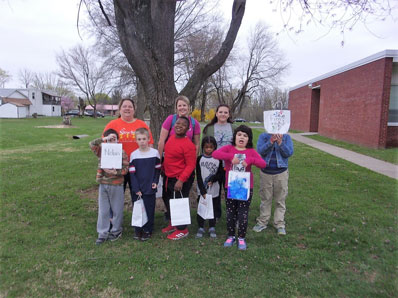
146, 32
203, 102
141, 103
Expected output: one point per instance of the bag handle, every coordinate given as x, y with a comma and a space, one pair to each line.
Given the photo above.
139, 198
174, 195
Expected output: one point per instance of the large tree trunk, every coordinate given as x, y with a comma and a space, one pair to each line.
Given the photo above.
146, 32
141, 103
203, 102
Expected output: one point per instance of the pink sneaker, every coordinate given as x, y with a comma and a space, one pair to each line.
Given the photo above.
230, 241
242, 244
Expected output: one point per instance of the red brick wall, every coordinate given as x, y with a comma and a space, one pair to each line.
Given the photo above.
353, 105
300, 107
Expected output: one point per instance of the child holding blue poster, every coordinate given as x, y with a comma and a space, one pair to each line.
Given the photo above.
239, 156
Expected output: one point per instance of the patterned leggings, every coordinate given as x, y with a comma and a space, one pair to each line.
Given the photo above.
238, 210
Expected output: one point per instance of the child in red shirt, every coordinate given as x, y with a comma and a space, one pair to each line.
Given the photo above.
179, 165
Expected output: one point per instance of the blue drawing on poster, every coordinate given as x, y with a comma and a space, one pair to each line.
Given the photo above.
237, 189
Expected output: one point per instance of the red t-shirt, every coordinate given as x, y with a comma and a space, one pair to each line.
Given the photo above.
126, 133
179, 158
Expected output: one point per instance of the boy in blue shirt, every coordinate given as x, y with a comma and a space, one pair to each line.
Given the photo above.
275, 149
144, 175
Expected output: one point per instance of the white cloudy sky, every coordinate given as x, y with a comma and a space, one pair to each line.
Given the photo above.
33, 31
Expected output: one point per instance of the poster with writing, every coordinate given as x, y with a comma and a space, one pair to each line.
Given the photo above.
111, 156
277, 121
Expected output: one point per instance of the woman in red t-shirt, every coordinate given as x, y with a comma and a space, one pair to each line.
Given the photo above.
126, 125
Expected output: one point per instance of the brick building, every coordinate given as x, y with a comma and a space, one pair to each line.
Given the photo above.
357, 103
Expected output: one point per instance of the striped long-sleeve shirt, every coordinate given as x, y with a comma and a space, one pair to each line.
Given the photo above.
144, 170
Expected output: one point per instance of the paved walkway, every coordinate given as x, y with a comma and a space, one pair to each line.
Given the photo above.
376, 165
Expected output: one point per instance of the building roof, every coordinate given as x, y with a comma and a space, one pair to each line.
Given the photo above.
4, 92
19, 102
380, 55
50, 92
7, 92
104, 107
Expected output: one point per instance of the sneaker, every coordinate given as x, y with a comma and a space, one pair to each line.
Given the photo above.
281, 231
200, 233
137, 236
178, 234
168, 229
146, 236
114, 237
242, 244
99, 241
229, 242
259, 227
212, 232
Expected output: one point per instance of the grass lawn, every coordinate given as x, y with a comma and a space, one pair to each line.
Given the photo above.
341, 223
389, 155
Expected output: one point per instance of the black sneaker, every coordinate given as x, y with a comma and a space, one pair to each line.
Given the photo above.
114, 237
145, 236
99, 241
137, 236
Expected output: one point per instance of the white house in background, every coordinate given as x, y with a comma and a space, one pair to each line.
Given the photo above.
22, 103
13, 104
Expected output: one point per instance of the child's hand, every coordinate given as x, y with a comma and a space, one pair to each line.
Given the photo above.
279, 138
273, 139
138, 193
154, 185
244, 163
235, 160
209, 183
110, 171
112, 138
178, 185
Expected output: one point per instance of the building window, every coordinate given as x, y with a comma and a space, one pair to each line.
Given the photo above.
53, 109
33, 95
393, 109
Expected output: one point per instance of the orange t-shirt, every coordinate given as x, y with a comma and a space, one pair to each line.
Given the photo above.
126, 133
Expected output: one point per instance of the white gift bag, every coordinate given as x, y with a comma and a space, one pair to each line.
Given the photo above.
205, 207
139, 217
238, 185
159, 191
180, 213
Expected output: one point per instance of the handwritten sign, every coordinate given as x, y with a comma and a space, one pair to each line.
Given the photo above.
277, 121
111, 156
